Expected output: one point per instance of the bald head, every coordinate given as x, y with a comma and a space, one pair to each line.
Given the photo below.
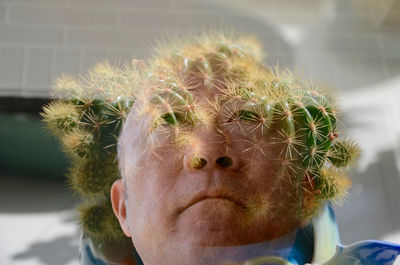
217, 151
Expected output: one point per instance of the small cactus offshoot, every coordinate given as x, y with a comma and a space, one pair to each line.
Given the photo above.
87, 116
275, 106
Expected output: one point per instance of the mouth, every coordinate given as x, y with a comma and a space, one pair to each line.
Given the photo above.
216, 195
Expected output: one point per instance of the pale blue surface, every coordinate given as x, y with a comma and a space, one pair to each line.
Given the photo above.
369, 252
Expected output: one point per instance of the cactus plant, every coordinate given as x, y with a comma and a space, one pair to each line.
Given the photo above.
87, 116
281, 108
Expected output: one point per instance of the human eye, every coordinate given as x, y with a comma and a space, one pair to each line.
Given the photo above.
248, 119
167, 113
171, 118
247, 116
235, 115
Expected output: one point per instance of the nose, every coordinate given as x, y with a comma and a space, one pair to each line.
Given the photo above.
198, 162
211, 152
224, 161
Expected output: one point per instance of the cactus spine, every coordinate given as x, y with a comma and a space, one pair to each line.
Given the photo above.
276, 105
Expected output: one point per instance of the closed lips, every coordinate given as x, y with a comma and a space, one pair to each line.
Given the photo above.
202, 197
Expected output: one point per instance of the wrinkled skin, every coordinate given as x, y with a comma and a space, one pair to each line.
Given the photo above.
174, 212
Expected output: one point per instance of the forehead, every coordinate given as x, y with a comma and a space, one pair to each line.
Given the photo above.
190, 88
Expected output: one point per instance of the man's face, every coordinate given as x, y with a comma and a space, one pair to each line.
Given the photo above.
218, 183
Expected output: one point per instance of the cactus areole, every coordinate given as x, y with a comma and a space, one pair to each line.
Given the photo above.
216, 81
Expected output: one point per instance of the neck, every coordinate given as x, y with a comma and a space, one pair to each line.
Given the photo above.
197, 255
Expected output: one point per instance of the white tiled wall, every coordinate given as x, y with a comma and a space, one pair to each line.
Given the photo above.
40, 39
11, 66
329, 40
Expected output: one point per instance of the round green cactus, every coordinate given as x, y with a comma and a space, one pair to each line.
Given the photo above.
285, 110
94, 175
99, 222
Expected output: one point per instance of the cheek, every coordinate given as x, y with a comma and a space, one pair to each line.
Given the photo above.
150, 188
262, 163
144, 209
259, 153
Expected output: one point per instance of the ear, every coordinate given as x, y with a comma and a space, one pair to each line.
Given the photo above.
118, 205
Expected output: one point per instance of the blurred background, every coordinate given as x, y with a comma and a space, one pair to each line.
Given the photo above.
352, 46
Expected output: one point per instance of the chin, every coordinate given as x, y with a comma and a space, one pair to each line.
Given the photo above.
213, 222
215, 238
